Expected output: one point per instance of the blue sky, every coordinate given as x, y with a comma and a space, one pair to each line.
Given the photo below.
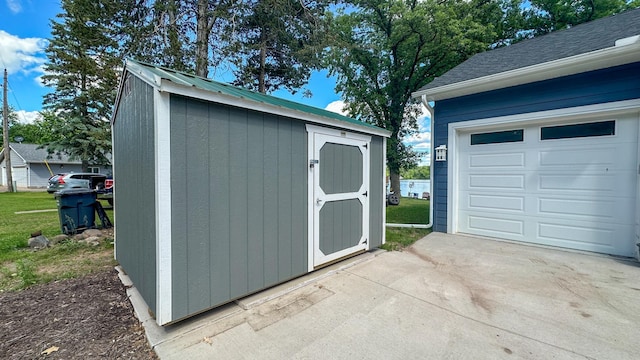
25, 28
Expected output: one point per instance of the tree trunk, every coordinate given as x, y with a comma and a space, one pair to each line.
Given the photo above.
174, 37
202, 38
395, 182
263, 61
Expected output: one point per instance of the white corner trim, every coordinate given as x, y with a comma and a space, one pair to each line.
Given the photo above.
595, 60
162, 143
541, 117
310, 201
384, 189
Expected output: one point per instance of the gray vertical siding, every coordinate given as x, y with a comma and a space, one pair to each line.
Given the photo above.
133, 170
239, 219
376, 191
595, 87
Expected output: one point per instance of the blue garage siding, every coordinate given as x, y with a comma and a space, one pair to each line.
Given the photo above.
596, 87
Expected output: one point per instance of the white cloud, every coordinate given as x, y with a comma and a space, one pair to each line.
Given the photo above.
14, 5
418, 137
22, 55
27, 117
337, 107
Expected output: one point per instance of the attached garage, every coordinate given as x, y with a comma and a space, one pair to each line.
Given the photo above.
544, 149
222, 192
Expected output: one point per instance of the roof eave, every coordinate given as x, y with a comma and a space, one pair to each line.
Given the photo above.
595, 60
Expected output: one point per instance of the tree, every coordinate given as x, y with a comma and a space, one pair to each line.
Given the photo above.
13, 119
275, 43
418, 172
82, 67
383, 50
158, 32
541, 17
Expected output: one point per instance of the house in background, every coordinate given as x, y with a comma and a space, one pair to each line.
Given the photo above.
542, 140
32, 167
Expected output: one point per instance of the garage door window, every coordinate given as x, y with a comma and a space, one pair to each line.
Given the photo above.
601, 128
497, 137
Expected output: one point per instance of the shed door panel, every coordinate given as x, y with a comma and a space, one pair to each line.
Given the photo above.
340, 189
573, 192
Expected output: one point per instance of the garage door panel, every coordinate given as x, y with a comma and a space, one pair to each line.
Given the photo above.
577, 183
496, 182
496, 225
577, 157
573, 207
492, 202
576, 193
499, 160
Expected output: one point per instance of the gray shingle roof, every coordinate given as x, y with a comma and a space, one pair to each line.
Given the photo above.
32, 154
584, 38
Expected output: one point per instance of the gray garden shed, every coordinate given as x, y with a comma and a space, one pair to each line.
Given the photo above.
222, 192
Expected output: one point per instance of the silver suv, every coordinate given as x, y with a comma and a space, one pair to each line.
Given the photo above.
76, 181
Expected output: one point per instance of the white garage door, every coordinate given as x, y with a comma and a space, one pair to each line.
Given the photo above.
568, 185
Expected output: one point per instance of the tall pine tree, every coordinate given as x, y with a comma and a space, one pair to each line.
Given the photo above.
83, 68
275, 43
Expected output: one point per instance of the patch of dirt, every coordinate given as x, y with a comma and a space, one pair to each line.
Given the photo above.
83, 318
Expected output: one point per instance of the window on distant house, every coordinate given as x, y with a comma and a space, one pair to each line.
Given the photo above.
93, 169
497, 137
601, 128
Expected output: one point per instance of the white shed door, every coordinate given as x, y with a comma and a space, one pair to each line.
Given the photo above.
568, 185
339, 186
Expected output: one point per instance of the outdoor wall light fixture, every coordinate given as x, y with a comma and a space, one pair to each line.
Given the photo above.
441, 153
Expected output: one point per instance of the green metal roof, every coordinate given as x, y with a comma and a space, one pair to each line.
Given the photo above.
230, 90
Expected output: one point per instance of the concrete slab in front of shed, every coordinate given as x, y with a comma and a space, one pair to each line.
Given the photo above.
447, 296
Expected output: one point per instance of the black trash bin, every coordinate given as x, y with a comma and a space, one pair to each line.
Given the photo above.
76, 209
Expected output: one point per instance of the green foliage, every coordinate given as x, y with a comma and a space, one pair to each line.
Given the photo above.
160, 33
418, 172
541, 17
382, 51
26, 272
275, 43
83, 67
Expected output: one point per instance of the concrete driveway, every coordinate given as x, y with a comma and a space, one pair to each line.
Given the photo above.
446, 297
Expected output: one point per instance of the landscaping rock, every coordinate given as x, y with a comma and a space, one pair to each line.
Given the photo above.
58, 239
38, 242
78, 237
92, 232
36, 233
93, 240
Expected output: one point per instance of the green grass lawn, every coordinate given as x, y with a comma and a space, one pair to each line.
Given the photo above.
21, 267
410, 211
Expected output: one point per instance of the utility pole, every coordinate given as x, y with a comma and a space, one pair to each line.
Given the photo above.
5, 134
